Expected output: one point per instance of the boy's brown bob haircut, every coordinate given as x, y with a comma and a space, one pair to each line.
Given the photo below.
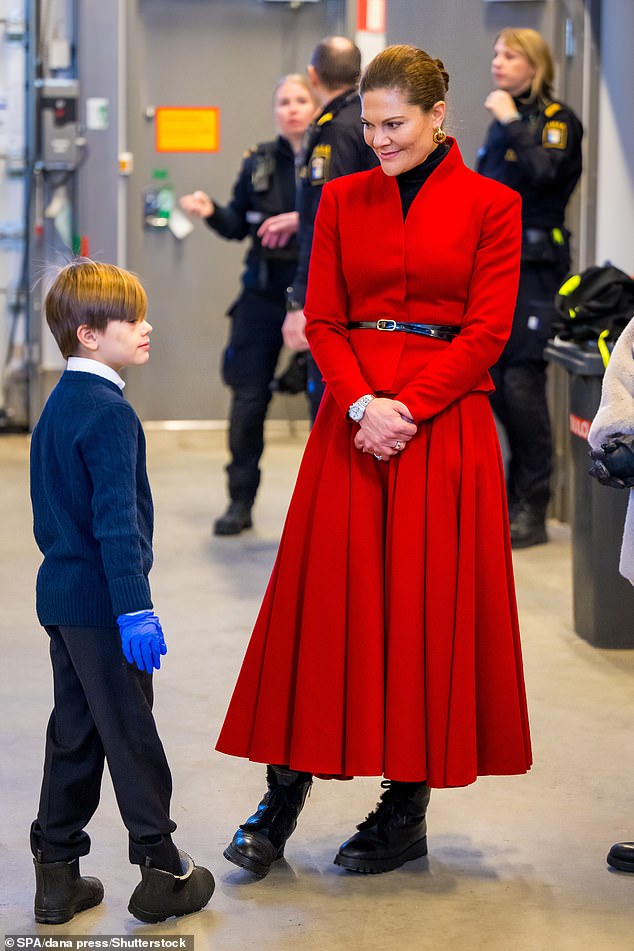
87, 292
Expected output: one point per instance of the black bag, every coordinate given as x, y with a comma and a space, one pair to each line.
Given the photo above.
293, 379
596, 303
614, 462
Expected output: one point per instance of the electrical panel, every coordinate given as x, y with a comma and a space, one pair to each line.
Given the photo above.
58, 115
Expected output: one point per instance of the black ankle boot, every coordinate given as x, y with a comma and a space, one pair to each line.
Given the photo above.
60, 891
528, 526
261, 839
160, 895
235, 520
395, 833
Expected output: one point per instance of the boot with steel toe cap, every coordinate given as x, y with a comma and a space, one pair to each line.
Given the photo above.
395, 833
61, 892
160, 895
261, 839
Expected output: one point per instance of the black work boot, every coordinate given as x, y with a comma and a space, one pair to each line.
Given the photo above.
261, 839
621, 856
60, 891
160, 895
528, 527
235, 519
395, 833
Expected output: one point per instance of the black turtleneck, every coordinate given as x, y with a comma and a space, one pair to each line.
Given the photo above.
410, 182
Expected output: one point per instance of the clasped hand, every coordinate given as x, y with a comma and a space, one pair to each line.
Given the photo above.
277, 231
386, 428
142, 639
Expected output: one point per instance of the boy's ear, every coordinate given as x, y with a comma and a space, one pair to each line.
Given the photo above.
88, 337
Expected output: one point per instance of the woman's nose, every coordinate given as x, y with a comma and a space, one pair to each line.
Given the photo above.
379, 138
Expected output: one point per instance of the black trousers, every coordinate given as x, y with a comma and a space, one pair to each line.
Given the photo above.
519, 401
248, 368
102, 711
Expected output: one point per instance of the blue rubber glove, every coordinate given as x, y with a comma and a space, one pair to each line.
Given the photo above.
142, 639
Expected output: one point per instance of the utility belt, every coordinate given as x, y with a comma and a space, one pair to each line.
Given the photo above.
547, 245
439, 331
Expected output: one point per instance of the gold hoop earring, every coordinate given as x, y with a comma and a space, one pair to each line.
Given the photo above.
439, 136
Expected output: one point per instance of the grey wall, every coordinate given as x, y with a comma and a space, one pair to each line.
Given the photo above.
227, 53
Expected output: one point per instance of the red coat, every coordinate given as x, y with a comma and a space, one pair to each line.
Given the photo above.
454, 260
388, 642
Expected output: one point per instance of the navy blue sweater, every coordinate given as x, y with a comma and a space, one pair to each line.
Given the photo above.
92, 506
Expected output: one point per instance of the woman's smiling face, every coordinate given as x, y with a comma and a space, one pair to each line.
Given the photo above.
399, 133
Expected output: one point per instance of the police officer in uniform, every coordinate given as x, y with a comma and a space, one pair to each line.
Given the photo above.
533, 146
334, 146
263, 199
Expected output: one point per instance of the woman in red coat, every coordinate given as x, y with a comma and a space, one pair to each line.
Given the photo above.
388, 643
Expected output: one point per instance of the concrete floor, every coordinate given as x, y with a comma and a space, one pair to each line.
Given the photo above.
515, 863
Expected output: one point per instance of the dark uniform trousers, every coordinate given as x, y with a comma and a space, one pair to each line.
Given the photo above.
539, 156
520, 400
102, 710
248, 368
265, 186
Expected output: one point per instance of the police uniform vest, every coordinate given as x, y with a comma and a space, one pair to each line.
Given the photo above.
266, 186
539, 156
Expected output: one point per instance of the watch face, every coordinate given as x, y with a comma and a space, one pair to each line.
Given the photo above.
357, 409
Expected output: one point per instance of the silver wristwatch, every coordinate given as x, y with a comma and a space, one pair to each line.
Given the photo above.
357, 409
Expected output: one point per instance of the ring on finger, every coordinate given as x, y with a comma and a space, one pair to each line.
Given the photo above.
377, 456
398, 445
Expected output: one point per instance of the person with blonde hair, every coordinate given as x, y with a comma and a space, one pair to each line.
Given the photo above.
534, 146
262, 202
388, 642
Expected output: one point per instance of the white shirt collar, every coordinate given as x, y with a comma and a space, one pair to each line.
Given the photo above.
85, 365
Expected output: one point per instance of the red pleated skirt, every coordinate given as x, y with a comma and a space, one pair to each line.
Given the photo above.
388, 643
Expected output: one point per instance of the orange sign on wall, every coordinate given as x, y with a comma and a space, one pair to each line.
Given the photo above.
187, 129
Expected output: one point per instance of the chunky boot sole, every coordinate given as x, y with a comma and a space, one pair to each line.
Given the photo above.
59, 916
374, 866
235, 529
527, 541
260, 869
153, 918
622, 865
161, 895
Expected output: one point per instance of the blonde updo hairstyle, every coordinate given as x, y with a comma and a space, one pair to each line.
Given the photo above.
423, 81
534, 47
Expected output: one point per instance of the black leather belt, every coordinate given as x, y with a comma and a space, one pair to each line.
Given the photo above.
440, 331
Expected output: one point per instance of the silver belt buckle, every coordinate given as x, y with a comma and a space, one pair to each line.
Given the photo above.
385, 324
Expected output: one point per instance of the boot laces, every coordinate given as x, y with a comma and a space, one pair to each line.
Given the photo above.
385, 809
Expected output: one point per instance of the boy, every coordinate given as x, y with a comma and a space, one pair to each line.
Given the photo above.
93, 522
